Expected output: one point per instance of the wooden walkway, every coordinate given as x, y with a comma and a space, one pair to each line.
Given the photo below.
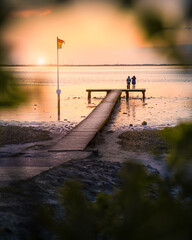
127, 91
84, 132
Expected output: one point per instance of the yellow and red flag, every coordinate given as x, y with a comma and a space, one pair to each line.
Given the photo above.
60, 42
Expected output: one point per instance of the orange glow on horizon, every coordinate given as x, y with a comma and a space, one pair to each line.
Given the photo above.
94, 33
32, 12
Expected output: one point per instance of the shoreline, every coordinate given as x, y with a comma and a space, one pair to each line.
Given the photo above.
21, 199
140, 144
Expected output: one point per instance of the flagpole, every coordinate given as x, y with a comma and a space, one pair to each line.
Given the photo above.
57, 65
58, 90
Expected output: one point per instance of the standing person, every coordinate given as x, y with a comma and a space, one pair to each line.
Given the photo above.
133, 81
128, 82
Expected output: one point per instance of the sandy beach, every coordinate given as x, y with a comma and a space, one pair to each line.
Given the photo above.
97, 170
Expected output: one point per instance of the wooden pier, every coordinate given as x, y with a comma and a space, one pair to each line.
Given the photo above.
84, 132
127, 91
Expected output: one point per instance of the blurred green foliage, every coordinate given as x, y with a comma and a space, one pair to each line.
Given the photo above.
11, 94
158, 31
145, 206
127, 3
180, 141
188, 9
180, 157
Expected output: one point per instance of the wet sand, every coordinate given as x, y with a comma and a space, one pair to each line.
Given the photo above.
97, 170
19, 135
25, 150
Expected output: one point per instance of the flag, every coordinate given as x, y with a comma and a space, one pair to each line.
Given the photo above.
60, 43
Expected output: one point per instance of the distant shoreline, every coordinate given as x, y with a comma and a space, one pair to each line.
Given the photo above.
99, 65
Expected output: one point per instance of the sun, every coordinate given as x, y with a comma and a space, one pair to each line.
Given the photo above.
41, 61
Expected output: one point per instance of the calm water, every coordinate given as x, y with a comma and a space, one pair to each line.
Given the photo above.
168, 96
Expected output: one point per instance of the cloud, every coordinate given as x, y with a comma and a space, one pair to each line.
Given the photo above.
30, 13
43, 13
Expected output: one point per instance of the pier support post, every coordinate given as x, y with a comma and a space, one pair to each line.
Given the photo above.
143, 95
127, 95
120, 97
89, 95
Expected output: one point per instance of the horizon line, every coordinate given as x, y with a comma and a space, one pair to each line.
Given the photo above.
91, 65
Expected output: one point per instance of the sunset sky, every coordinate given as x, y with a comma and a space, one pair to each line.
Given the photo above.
94, 33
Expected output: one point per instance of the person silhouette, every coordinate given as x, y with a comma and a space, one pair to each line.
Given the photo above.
128, 82
133, 82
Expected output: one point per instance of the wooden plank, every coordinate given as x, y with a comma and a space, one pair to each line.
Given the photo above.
84, 132
123, 89
143, 90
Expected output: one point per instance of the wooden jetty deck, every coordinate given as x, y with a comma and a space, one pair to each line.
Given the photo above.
127, 91
84, 132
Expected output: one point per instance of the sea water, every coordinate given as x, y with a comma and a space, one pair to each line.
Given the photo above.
168, 96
